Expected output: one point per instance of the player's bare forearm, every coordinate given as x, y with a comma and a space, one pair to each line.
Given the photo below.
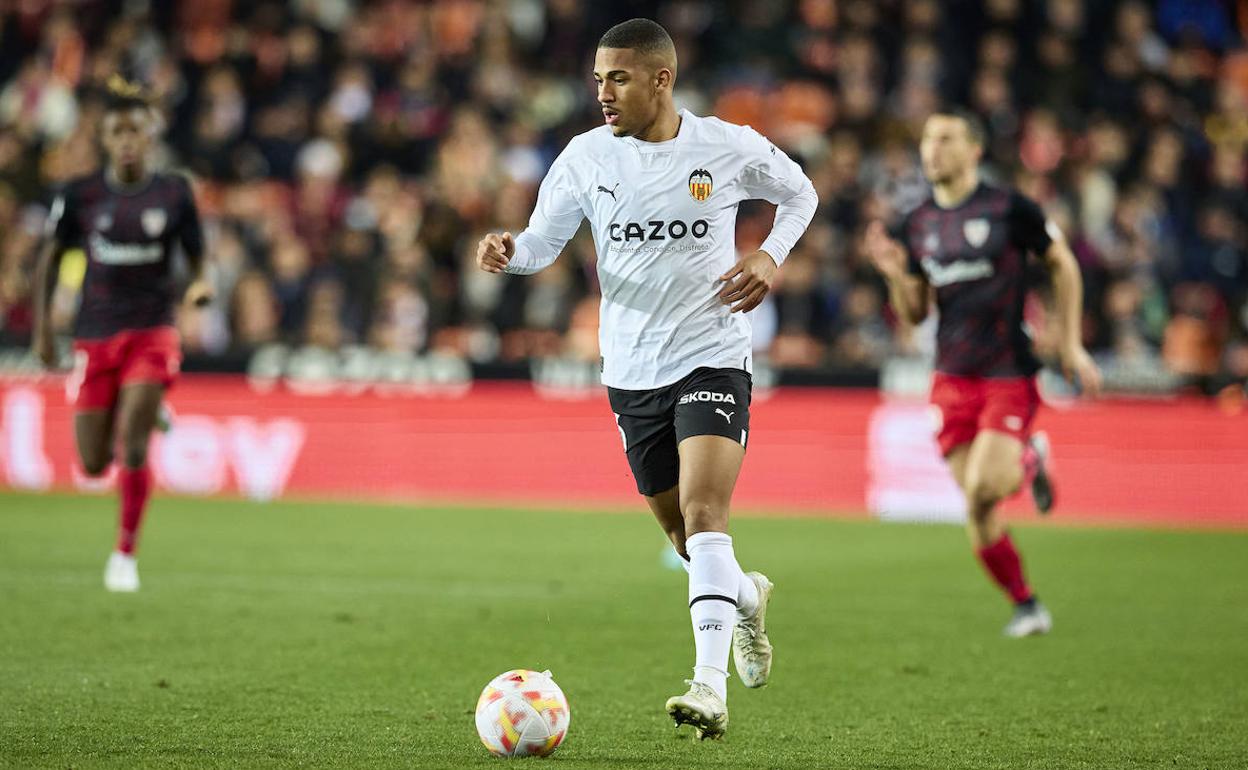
47, 269
1067, 293
198, 265
907, 293
200, 292
1068, 299
909, 297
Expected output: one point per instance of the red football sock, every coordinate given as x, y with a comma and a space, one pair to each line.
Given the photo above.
133, 485
1003, 563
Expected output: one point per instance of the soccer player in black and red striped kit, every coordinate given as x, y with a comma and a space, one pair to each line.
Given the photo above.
967, 249
128, 219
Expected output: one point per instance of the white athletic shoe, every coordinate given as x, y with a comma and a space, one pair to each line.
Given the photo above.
751, 651
122, 573
702, 708
1032, 620
164, 418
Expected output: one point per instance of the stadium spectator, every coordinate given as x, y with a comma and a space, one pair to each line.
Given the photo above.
347, 154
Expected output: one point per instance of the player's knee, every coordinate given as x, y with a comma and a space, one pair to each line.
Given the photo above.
982, 494
134, 455
1005, 480
704, 516
95, 464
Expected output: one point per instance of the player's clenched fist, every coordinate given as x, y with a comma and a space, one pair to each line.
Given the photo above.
200, 293
886, 254
495, 251
1078, 366
45, 349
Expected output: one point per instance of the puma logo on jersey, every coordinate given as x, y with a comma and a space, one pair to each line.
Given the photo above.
610, 192
708, 395
727, 415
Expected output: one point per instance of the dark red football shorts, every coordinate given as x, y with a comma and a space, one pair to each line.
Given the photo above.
968, 405
103, 366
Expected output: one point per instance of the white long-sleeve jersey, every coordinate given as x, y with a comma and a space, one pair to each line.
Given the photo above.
663, 216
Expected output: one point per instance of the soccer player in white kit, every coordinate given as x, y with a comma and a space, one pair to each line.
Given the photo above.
660, 188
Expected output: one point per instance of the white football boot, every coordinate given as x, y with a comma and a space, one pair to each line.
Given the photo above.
751, 650
1029, 620
122, 573
164, 418
702, 708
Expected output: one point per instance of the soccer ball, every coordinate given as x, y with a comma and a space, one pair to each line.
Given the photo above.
522, 713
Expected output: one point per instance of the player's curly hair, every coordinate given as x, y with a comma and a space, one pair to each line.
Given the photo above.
122, 94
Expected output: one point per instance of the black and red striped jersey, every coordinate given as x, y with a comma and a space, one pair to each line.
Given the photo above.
129, 237
975, 256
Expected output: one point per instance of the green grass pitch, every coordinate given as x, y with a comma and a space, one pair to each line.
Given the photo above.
337, 635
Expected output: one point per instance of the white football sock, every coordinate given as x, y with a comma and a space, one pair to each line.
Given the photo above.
747, 592
747, 596
714, 582
683, 561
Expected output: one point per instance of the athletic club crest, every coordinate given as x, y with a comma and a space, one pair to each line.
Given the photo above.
153, 221
976, 231
701, 184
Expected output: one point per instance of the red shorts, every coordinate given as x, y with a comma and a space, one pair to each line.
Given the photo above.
968, 405
103, 366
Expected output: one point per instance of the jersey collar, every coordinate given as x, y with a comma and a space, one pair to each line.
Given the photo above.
670, 144
115, 185
979, 186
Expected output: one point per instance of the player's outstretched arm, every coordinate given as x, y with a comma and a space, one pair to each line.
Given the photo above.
1068, 297
525, 254
907, 293
495, 251
555, 219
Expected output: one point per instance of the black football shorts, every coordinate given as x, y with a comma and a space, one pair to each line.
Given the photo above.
652, 423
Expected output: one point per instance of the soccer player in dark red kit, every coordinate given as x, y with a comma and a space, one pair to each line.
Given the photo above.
967, 248
128, 220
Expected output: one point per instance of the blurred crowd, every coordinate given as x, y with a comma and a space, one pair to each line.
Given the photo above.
348, 155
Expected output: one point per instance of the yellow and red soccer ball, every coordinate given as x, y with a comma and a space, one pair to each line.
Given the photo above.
522, 713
